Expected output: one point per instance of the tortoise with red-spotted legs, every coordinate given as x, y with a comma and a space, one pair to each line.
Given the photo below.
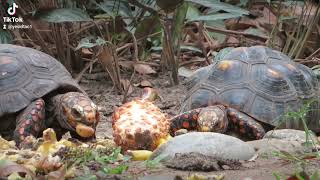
255, 88
37, 92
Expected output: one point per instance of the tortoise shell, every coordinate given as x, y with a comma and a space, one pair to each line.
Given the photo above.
27, 74
259, 81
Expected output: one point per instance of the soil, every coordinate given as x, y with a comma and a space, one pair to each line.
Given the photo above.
103, 94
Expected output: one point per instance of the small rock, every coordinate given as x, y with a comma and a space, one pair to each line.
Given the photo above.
288, 134
160, 177
269, 146
215, 145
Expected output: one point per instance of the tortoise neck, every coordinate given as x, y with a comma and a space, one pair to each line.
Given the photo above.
57, 115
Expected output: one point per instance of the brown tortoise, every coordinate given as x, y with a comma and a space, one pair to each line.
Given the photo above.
254, 88
37, 92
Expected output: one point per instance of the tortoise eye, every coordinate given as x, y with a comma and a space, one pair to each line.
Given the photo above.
75, 113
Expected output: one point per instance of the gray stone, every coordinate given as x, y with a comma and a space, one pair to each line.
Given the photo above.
211, 144
288, 134
267, 147
160, 177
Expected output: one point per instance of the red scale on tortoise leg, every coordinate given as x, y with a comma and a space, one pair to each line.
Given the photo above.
30, 121
246, 124
187, 120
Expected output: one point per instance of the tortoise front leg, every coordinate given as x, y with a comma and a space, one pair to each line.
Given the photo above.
187, 120
246, 125
30, 121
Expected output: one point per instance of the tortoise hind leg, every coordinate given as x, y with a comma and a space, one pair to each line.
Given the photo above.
30, 121
246, 125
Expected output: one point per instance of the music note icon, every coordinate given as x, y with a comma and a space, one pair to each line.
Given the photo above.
12, 9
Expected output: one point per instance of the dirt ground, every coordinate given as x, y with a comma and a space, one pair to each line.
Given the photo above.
103, 94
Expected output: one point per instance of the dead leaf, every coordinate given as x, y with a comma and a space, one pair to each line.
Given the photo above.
232, 40
126, 84
243, 23
144, 69
126, 64
108, 60
48, 163
8, 167
59, 174
267, 17
145, 83
4, 144
185, 72
86, 51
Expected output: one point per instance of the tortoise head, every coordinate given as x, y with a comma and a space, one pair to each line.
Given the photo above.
79, 114
213, 119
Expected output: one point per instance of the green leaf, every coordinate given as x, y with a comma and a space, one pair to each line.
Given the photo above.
219, 24
90, 42
277, 175
192, 12
117, 170
116, 8
154, 162
5, 37
243, 3
255, 31
315, 175
63, 15
183, 48
217, 5
185, 72
190, 48
214, 17
316, 70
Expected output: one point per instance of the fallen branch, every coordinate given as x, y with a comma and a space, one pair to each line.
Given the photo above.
78, 78
227, 32
313, 54
125, 96
192, 62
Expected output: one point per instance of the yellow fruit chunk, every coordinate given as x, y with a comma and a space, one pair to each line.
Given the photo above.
140, 155
84, 131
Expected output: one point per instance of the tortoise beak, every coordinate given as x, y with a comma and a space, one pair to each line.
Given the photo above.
84, 130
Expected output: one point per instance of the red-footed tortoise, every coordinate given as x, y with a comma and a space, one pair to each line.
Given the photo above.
254, 88
37, 92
